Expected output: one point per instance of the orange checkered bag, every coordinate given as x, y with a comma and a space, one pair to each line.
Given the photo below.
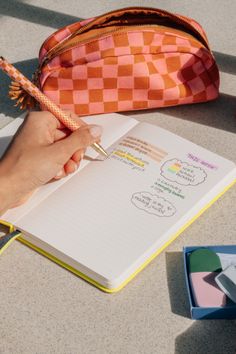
128, 59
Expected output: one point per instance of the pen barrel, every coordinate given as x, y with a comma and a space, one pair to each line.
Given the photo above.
63, 117
33, 90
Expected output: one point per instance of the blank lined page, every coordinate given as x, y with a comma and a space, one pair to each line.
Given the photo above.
108, 217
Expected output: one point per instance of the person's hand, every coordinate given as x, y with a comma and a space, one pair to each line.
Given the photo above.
42, 150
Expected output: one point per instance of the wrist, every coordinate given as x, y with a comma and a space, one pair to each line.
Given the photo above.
5, 194
10, 189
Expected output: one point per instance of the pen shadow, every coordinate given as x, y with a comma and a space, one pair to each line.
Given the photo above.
88, 158
176, 284
208, 336
36, 14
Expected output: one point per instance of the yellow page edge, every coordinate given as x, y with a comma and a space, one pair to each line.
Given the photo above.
93, 282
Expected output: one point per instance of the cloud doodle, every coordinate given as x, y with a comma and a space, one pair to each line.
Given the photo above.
153, 204
183, 173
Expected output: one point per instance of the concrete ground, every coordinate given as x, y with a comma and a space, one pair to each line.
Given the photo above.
45, 309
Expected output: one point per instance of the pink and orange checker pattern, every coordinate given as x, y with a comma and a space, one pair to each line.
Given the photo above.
129, 70
45, 102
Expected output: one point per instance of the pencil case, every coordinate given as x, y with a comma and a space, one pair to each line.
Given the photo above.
128, 59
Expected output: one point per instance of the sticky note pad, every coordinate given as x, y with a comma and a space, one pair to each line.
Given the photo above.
204, 266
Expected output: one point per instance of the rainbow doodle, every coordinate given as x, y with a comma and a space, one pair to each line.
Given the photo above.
174, 168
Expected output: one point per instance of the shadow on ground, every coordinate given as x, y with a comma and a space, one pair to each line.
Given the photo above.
27, 67
176, 284
36, 14
203, 336
208, 336
226, 62
220, 114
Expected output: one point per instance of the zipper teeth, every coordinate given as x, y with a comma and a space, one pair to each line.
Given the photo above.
72, 45
66, 47
176, 17
137, 9
92, 38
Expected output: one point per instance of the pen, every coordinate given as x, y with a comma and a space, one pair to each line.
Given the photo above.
33, 90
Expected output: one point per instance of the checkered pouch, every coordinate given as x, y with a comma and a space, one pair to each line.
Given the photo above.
128, 59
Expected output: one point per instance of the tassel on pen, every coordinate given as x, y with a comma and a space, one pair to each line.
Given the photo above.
23, 99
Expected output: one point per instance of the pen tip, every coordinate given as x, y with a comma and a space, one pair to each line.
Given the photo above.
100, 150
104, 157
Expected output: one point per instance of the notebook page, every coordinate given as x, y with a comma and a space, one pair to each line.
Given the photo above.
113, 214
114, 126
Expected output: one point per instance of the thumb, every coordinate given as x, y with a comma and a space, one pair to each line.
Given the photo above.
78, 140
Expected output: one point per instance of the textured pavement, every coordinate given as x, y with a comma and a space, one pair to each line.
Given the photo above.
45, 309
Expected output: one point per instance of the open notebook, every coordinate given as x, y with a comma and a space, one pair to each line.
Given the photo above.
109, 219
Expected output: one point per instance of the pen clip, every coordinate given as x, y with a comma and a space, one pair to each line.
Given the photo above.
9, 236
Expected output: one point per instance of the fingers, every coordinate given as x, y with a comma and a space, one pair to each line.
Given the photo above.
61, 134
60, 174
78, 140
78, 156
73, 116
69, 167
70, 150
42, 118
72, 165
77, 118
61, 131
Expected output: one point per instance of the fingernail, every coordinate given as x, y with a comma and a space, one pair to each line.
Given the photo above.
95, 131
60, 174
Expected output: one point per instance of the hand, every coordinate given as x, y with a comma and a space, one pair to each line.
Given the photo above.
41, 150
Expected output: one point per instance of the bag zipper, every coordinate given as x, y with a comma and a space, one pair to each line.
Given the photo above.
97, 36
62, 45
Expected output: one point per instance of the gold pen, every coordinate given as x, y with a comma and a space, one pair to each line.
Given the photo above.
33, 90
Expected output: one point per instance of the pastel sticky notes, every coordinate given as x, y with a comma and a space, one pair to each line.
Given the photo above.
226, 280
204, 266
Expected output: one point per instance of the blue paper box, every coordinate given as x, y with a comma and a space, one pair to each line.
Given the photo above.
197, 313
